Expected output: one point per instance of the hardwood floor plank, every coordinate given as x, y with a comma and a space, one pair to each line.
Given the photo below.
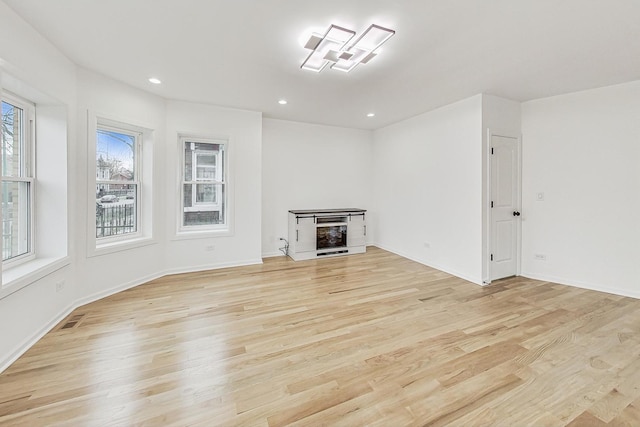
587, 420
629, 416
371, 339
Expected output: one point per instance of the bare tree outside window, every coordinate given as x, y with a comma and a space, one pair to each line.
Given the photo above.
117, 185
17, 182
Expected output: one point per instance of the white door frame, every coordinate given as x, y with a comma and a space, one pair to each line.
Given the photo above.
488, 211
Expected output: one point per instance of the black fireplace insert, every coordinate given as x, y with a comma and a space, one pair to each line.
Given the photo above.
331, 236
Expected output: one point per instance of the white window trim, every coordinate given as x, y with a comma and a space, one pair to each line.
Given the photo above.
204, 231
29, 116
143, 236
50, 254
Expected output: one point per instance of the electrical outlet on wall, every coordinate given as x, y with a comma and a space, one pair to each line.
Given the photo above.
59, 286
540, 257
210, 248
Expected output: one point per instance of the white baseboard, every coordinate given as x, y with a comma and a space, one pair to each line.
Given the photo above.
215, 266
111, 291
445, 269
583, 285
29, 342
7, 360
272, 254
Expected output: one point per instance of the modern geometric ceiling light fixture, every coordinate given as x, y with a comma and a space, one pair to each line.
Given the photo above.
326, 46
334, 48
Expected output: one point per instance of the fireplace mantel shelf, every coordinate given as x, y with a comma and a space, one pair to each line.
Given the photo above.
322, 233
326, 211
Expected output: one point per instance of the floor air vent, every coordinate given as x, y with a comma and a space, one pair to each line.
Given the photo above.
72, 322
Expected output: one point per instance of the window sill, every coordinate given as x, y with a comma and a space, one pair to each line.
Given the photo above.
16, 278
202, 234
121, 245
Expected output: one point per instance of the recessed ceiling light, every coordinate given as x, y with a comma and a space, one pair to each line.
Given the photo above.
282, 102
155, 81
371, 115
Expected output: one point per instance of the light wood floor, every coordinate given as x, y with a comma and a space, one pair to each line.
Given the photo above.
371, 339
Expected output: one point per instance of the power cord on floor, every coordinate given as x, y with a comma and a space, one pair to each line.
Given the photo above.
285, 248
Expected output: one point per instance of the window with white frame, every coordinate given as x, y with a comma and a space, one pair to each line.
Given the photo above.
18, 121
117, 182
204, 184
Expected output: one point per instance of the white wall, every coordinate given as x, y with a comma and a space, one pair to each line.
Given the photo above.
31, 67
102, 274
243, 130
427, 181
582, 151
309, 166
24, 53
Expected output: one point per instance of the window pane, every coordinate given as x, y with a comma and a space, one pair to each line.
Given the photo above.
206, 166
188, 195
115, 156
12, 140
205, 160
116, 206
208, 214
188, 161
16, 225
206, 146
203, 186
205, 193
201, 158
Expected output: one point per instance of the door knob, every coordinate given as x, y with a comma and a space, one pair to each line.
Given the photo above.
516, 213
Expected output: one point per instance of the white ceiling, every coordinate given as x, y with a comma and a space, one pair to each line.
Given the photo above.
247, 53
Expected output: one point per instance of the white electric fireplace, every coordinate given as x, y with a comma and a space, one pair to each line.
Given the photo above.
326, 233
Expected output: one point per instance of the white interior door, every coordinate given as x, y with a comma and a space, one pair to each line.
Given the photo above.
505, 206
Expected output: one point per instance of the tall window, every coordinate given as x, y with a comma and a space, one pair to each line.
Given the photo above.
17, 178
203, 184
117, 182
